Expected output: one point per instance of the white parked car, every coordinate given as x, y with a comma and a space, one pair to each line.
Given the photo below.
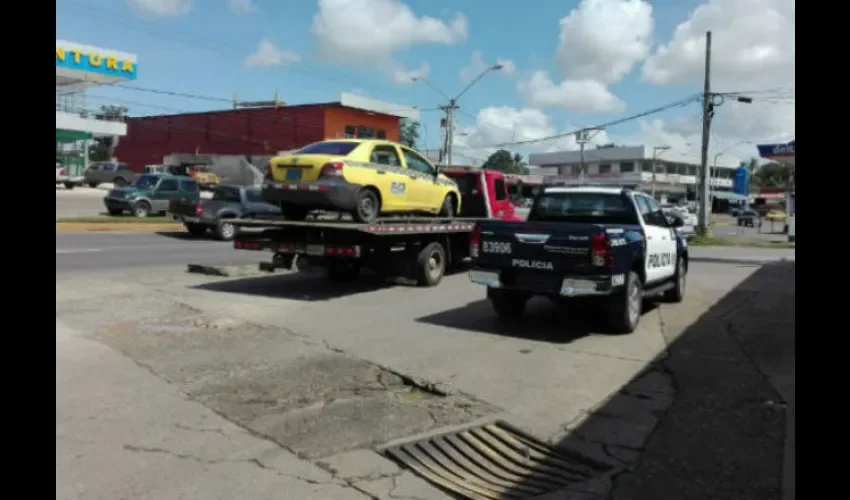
64, 179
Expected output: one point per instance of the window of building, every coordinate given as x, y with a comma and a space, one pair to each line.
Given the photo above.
692, 170
646, 166
350, 132
626, 167
604, 168
575, 170
365, 132
382, 134
671, 168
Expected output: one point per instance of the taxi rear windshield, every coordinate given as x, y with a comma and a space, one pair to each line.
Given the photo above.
592, 208
340, 148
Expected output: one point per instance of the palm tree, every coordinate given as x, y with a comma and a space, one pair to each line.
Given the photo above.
519, 164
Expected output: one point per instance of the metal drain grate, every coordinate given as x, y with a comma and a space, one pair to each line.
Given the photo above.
494, 462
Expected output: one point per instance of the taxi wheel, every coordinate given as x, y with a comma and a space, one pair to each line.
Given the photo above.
368, 206
448, 208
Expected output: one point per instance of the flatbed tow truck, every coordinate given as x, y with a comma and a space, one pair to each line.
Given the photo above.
413, 248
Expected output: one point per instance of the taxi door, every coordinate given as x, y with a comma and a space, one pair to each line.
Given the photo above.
425, 191
390, 177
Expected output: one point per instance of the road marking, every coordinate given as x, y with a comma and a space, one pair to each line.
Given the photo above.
79, 250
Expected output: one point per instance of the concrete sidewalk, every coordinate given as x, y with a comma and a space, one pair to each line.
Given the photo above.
730, 429
741, 255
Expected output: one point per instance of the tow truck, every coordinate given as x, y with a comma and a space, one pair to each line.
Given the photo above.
414, 248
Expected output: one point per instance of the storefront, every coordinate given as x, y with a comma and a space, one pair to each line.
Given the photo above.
785, 154
79, 122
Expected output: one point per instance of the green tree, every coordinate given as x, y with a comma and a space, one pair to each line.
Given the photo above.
103, 148
773, 175
409, 132
503, 161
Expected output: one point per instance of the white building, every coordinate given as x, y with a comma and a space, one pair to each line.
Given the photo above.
79, 67
628, 166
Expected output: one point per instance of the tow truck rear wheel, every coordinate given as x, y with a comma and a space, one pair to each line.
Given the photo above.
626, 306
508, 304
430, 265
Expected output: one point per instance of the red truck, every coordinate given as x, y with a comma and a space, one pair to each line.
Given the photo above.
418, 249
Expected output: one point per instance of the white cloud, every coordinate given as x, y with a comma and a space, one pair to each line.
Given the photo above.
753, 43
477, 64
753, 48
162, 8
579, 95
368, 32
268, 55
600, 42
404, 76
242, 6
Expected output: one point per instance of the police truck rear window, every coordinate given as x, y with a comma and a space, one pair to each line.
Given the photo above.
593, 208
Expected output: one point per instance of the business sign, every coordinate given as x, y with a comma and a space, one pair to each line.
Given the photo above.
95, 61
778, 151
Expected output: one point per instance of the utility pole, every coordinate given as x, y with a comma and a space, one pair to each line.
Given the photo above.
452, 106
655, 151
704, 193
583, 136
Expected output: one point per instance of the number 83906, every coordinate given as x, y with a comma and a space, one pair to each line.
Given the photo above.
503, 247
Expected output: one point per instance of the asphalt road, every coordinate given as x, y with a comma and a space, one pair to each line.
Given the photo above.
105, 252
255, 386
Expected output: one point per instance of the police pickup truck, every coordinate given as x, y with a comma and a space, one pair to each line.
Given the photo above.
609, 243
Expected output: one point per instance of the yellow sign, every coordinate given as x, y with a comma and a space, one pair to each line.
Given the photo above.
93, 61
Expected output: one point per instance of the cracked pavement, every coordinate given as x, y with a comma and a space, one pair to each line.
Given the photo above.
182, 386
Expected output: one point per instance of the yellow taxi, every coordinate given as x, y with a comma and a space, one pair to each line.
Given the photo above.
364, 177
776, 216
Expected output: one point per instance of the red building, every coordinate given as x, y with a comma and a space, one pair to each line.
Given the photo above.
258, 131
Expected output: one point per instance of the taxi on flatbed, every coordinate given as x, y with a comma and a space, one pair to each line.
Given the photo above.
364, 177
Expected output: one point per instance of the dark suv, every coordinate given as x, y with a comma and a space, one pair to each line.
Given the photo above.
118, 174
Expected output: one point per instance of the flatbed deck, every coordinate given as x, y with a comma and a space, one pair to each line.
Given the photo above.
379, 227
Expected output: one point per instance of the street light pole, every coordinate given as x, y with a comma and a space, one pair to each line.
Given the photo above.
452, 106
655, 151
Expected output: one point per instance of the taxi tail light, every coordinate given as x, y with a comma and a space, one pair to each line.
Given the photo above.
199, 210
474, 241
332, 169
600, 253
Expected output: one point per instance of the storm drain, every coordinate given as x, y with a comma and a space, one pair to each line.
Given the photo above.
494, 461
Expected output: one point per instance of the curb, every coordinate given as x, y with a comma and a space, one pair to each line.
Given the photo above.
740, 261
228, 270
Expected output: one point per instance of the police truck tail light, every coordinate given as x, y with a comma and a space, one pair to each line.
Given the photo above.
600, 253
332, 169
199, 210
474, 242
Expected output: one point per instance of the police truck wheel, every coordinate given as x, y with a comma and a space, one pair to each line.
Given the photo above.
677, 293
430, 265
141, 209
69, 185
368, 206
119, 182
115, 211
626, 306
508, 304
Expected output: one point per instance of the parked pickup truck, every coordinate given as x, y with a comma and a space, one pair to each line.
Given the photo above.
216, 214
612, 244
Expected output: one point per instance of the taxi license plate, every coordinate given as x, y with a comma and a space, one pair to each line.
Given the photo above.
315, 250
293, 174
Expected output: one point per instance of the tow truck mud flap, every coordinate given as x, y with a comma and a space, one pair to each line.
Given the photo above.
279, 261
494, 461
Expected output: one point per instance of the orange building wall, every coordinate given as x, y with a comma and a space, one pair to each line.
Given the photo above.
336, 118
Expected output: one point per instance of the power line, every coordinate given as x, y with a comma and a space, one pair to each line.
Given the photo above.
676, 104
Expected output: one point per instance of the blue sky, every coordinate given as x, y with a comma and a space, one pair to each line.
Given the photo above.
202, 50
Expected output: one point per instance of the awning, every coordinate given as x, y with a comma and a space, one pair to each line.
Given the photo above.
727, 195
